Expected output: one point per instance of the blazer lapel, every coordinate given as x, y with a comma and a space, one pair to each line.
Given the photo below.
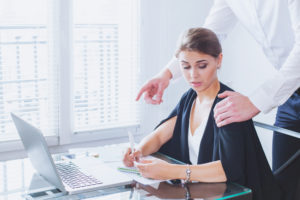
207, 144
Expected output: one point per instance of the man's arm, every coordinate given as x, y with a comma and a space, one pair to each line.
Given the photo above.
272, 93
153, 89
279, 88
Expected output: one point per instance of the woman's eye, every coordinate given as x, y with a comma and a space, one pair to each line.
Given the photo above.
186, 67
202, 66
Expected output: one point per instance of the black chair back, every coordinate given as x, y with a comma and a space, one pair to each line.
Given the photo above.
288, 175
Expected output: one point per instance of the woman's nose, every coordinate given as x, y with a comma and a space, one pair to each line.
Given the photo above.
194, 73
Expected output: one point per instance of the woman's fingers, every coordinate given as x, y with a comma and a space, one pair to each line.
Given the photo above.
136, 155
146, 161
153, 168
127, 158
142, 164
143, 169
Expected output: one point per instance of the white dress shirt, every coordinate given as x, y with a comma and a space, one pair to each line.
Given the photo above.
275, 25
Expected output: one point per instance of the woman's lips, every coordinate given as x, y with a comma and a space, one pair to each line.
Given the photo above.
196, 84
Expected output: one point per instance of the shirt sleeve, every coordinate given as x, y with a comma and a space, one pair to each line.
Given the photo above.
280, 87
174, 67
220, 19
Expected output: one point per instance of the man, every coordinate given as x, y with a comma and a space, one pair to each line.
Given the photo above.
275, 25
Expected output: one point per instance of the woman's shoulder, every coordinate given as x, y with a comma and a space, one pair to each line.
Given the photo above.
224, 88
188, 95
238, 127
187, 99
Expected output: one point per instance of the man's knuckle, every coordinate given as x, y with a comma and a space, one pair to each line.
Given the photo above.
222, 117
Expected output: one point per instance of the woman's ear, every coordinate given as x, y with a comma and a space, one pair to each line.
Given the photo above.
219, 60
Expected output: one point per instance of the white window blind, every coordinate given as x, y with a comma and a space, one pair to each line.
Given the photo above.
105, 64
28, 78
104, 72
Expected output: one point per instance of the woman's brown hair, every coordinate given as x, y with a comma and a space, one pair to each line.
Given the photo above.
201, 40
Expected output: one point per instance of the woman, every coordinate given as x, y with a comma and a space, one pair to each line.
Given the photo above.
230, 153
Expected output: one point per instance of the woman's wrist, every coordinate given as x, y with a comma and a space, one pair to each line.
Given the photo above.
139, 149
180, 171
172, 171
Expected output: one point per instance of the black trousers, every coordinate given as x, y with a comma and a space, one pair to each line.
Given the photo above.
288, 116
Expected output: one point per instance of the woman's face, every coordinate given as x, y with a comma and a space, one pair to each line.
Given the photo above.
199, 69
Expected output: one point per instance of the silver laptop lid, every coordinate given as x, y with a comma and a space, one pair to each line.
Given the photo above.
38, 152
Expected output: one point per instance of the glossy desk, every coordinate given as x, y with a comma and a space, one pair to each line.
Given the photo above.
16, 177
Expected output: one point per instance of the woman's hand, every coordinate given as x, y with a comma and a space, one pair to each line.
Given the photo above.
155, 169
129, 157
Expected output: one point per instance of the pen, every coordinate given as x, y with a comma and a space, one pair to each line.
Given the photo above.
131, 141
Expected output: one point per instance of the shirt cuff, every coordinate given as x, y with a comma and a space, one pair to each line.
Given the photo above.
262, 101
173, 66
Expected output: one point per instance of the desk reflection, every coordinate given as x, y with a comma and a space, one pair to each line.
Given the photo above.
167, 190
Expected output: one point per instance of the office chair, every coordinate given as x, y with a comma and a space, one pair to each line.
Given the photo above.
288, 181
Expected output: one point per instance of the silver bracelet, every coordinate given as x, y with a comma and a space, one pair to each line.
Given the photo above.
188, 174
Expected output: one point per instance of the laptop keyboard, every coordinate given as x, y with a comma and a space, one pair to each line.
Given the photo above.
73, 177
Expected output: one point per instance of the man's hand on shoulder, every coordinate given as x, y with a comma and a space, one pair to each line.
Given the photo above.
235, 107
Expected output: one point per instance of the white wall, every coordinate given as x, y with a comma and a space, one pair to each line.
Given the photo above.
243, 69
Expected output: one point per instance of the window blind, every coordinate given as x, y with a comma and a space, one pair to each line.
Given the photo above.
105, 64
28, 78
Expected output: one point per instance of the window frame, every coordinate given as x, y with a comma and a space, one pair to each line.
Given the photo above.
62, 27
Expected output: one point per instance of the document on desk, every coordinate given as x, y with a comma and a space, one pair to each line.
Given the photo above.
135, 175
112, 156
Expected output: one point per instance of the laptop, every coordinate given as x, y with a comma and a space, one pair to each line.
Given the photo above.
69, 176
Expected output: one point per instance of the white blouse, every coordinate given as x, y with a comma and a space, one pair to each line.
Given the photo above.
195, 140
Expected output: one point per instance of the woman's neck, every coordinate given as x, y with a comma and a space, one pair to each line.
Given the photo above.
210, 93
